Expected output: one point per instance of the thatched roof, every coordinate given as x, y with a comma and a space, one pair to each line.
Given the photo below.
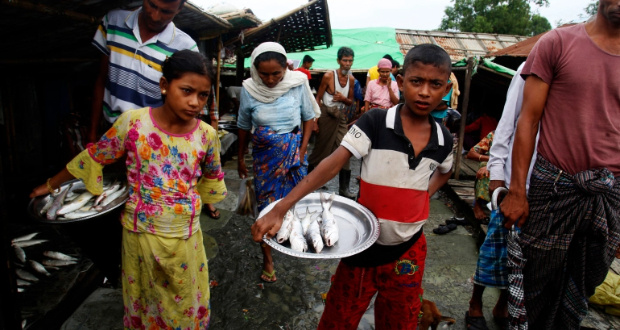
242, 19
53, 30
302, 29
458, 44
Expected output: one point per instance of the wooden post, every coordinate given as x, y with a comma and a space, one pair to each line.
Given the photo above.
219, 68
459, 147
240, 65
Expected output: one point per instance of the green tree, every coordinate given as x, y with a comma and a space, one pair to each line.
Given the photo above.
495, 16
592, 8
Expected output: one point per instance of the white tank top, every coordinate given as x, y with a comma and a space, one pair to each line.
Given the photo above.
328, 99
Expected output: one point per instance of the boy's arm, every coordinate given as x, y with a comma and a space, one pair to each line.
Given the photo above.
270, 223
437, 181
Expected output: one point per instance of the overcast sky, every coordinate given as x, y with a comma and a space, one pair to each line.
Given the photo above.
405, 14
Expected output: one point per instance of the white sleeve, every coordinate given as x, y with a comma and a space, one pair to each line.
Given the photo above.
501, 147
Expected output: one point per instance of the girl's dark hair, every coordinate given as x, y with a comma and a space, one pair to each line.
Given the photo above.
268, 56
185, 61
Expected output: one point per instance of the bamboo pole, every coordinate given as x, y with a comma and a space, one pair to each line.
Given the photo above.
219, 68
459, 147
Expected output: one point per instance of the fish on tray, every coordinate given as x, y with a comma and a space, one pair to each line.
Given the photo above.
23, 244
58, 263
58, 255
287, 225
307, 219
38, 267
313, 235
297, 239
329, 228
76, 203
25, 275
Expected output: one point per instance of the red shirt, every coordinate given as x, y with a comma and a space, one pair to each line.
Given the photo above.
305, 71
484, 124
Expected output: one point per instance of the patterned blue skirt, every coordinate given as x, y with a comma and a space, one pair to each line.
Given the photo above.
277, 168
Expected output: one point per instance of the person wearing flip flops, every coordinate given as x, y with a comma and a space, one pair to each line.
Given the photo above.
277, 112
491, 268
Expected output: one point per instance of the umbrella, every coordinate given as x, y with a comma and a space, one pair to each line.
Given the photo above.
516, 262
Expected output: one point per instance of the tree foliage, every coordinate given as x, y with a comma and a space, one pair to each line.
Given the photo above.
592, 8
495, 16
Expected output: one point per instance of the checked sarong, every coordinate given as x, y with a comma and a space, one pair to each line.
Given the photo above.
569, 242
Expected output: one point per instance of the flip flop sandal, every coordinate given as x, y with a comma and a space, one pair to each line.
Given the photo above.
444, 229
475, 322
268, 277
213, 214
456, 221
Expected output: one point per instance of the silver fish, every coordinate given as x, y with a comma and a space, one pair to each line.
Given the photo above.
25, 237
307, 219
115, 186
58, 201
24, 275
32, 242
38, 267
58, 263
110, 198
79, 214
21, 290
329, 228
297, 240
287, 224
58, 255
75, 204
21, 282
20, 253
50, 200
313, 235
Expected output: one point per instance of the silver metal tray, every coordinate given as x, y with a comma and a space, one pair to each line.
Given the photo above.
358, 228
37, 203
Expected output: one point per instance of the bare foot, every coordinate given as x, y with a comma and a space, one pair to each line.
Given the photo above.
478, 211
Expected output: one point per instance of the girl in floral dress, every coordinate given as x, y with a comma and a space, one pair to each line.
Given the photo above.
173, 167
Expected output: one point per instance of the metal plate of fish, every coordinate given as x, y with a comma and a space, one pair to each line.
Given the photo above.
77, 186
358, 227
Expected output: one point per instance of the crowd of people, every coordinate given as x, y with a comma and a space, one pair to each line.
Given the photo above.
563, 197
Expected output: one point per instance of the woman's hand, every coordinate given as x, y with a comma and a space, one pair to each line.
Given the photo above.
243, 172
482, 173
39, 191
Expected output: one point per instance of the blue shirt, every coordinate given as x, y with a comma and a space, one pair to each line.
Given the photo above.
282, 115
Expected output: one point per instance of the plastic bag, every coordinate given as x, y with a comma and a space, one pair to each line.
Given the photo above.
246, 204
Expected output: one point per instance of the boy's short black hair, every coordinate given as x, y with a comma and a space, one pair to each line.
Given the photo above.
428, 54
388, 57
307, 58
345, 51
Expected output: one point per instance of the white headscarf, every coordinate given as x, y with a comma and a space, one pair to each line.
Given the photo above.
290, 79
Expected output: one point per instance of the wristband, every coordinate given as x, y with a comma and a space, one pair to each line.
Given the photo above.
49, 187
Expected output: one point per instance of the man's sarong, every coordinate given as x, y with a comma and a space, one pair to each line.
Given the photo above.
277, 168
492, 268
332, 128
569, 242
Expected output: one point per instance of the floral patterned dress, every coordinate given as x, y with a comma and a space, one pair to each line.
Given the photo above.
482, 185
169, 176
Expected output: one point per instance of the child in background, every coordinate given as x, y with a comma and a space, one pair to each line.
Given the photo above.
407, 157
173, 167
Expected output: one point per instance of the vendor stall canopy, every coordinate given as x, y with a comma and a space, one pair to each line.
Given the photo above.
302, 29
61, 31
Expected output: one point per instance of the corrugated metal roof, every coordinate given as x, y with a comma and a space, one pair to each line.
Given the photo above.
459, 45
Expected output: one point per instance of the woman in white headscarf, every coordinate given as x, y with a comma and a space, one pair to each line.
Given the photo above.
277, 110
